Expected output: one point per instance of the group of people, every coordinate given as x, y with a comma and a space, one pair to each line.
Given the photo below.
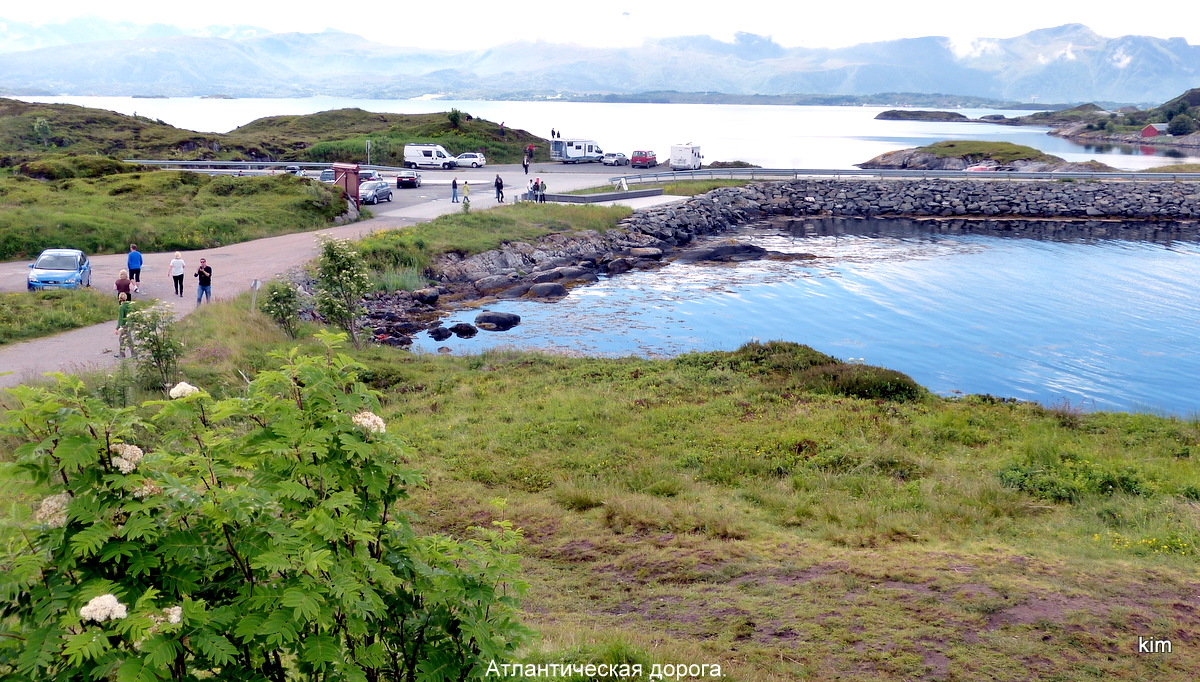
536, 191
129, 281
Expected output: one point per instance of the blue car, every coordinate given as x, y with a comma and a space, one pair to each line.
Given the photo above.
60, 269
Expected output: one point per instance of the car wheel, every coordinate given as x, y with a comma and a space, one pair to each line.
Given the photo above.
474, 165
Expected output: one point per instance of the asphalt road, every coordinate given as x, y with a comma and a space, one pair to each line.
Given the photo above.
236, 266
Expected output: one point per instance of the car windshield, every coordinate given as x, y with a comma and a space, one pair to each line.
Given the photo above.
57, 261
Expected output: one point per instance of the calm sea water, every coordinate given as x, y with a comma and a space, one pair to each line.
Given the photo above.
1058, 316
768, 136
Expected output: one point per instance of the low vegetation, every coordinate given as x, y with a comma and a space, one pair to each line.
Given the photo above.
158, 210
1177, 168
978, 150
470, 233
29, 315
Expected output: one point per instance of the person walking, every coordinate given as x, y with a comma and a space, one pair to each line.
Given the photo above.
124, 338
541, 191
123, 285
525, 164
204, 283
467, 191
454, 191
499, 189
134, 264
177, 268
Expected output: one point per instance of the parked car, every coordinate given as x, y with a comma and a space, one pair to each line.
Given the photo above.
60, 269
408, 178
643, 159
472, 159
293, 170
328, 175
369, 176
614, 159
374, 191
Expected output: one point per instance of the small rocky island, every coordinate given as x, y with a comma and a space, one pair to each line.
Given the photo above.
979, 155
911, 115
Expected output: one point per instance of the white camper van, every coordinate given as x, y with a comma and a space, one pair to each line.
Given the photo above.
686, 157
428, 156
575, 151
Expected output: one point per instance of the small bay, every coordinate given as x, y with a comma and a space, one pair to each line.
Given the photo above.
1063, 315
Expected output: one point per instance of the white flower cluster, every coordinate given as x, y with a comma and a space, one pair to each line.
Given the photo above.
102, 608
183, 389
369, 421
53, 510
174, 614
146, 490
127, 457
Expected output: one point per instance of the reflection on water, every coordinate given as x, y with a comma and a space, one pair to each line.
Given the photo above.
1101, 315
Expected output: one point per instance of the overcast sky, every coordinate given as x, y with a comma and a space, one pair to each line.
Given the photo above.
480, 23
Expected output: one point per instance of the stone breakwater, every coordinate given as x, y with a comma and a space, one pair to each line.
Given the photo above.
651, 237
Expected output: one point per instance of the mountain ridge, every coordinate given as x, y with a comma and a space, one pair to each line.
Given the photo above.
1068, 63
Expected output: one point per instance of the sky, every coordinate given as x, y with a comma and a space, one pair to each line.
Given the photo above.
469, 24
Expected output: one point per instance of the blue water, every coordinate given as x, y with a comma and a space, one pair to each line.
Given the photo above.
1067, 317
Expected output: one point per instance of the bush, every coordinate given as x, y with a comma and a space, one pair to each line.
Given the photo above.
861, 381
342, 281
1181, 124
282, 304
251, 538
1066, 477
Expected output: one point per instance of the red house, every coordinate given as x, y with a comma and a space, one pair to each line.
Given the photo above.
1154, 130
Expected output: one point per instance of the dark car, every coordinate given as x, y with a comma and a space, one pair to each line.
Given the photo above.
374, 191
60, 269
408, 178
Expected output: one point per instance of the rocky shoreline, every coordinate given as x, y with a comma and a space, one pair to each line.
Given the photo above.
650, 238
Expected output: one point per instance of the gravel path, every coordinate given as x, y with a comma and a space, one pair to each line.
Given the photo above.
236, 266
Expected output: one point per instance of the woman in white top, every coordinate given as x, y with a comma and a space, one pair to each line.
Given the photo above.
177, 267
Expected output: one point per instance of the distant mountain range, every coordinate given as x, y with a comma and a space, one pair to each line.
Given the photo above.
1065, 64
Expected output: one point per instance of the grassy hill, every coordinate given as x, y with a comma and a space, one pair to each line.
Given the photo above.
29, 130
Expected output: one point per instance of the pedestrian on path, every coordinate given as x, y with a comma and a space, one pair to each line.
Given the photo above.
525, 164
541, 191
499, 189
454, 191
123, 285
177, 268
204, 283
466, 190
134, 263
124, 338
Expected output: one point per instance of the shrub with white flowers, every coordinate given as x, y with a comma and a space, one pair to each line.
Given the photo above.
102, 608
226, 556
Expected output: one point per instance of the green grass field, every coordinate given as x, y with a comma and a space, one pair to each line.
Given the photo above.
158, 210
745, 510
29, 315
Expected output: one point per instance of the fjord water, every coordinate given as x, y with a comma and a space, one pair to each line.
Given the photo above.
1062, 315
771, 136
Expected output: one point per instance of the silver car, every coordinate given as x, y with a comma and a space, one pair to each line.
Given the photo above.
472, 159
374, 191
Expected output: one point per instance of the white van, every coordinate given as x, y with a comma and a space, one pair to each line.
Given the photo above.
428, 156
686, 157
575, 151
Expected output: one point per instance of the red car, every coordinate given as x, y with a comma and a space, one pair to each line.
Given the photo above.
642, 159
